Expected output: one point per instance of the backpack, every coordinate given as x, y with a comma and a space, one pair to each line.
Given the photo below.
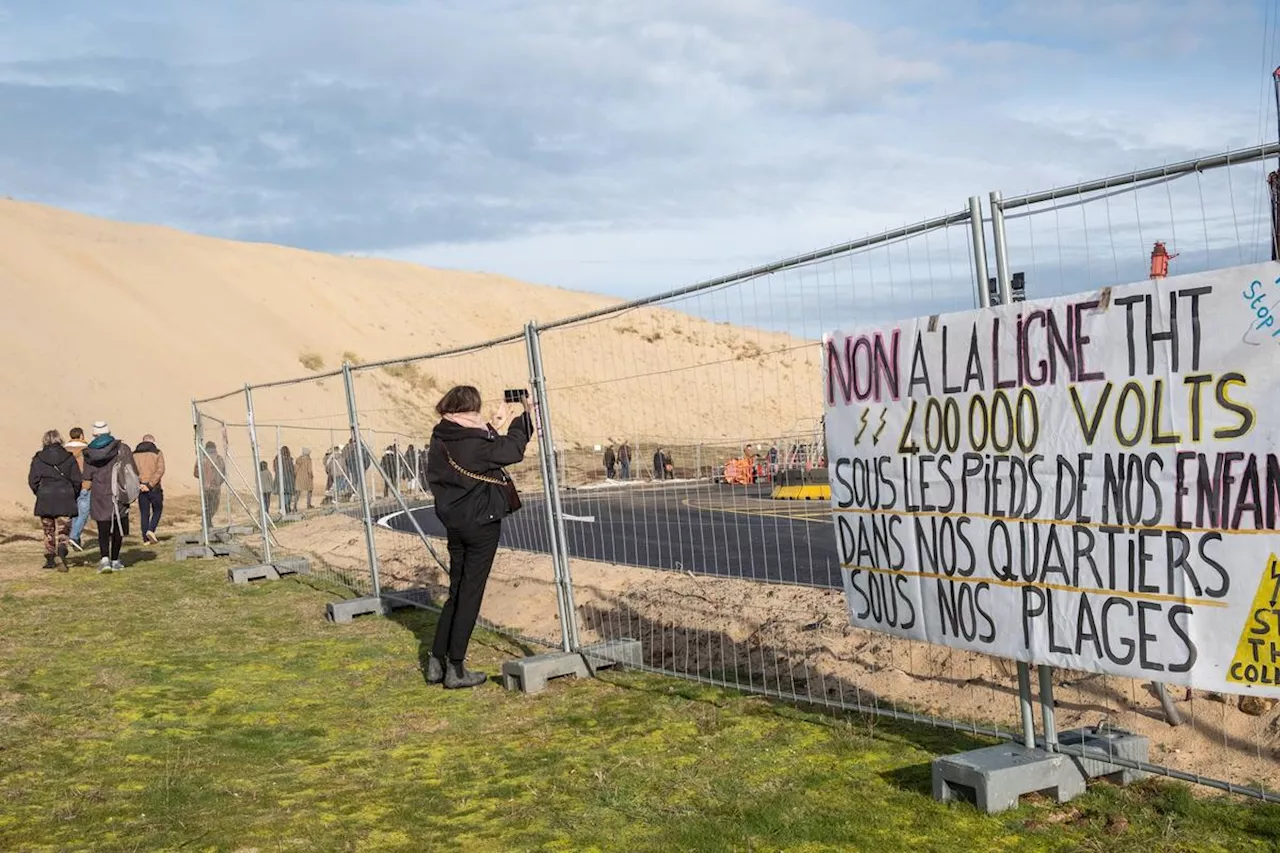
125, 484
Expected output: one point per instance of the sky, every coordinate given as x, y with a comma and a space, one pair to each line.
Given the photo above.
628, 148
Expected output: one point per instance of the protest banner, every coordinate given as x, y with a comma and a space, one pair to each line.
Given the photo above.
1089, 482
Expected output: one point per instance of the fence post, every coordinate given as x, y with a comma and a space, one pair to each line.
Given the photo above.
979, 251
984, 301
198, 434
226, 481
257, 467
557, 510
1002, 248
1024, 702
395, 454
547, 465
353, 417
1047, 713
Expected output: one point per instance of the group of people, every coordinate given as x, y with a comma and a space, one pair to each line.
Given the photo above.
288, 477
75, 482
406, 470
613, 459
619, 457
340, 468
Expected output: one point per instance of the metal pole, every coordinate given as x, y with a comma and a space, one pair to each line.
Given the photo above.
979, 251
226, 459
1047, 712
1024, 701
257, 467
1273, 184
546, 464
557, 509
1239, 157
1002, 249
199, 440
353, 417
280, 474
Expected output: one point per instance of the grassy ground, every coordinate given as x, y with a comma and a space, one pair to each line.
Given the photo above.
163, 709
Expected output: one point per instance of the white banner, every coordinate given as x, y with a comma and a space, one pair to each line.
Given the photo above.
1089, 482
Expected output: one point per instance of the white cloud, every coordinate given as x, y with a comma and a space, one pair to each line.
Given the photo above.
604, 144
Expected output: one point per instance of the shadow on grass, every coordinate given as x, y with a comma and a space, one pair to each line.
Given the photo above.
421, 622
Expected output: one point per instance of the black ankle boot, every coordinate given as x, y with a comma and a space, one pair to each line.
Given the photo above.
435, 670
48, 563
457, 676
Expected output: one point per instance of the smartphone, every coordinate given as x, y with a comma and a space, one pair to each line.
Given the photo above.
514, 395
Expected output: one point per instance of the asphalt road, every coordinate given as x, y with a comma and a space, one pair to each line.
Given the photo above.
717, 530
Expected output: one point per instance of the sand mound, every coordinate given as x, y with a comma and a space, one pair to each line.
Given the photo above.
129, 322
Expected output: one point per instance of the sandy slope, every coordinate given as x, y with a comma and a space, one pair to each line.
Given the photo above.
126, 322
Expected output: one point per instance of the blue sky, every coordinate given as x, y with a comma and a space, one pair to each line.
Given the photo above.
602, 145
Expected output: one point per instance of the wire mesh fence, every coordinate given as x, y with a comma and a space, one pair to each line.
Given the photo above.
669, 430
396, 399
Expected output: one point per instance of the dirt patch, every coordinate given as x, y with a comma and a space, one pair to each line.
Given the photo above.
797, 641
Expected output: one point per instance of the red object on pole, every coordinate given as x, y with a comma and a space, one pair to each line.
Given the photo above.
1160, 258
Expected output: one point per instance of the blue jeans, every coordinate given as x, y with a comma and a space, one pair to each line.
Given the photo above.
626, 470
82, 516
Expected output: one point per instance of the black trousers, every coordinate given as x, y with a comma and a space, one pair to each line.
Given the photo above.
471, 553
111, 536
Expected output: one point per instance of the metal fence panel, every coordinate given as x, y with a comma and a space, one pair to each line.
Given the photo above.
714, 391
396, 402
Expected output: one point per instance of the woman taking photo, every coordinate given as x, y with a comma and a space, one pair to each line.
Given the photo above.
472, 495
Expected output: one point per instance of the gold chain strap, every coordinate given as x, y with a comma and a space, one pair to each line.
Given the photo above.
493, 481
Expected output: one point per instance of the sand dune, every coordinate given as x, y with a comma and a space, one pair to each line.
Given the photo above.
128, 322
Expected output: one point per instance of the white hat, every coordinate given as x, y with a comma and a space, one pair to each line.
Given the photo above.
101, 428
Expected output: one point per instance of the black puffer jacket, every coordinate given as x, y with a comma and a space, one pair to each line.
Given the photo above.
461, 501
55, 481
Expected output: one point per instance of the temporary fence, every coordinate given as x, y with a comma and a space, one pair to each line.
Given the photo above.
663, 426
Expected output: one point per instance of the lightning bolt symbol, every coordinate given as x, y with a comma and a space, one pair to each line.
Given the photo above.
858, 438
875, 436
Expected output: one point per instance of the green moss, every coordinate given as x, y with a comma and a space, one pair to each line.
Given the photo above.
164, 709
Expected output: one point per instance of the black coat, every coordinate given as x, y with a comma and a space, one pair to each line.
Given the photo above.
462, 501
55, 481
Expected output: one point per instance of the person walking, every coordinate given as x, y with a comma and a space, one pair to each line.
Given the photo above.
282, 468
662, 467
328, 465
212, 478
150, 462
624, 460
610, 462
266, 485
411, 469
108, 507
76, 447
389, 467
303, 477
54, 479
472, 495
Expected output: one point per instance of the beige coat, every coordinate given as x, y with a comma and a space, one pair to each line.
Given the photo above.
150, 467
303, 477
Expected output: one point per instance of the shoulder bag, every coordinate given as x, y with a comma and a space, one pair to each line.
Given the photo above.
505, 483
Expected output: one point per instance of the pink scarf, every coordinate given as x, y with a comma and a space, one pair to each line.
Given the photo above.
470, 420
